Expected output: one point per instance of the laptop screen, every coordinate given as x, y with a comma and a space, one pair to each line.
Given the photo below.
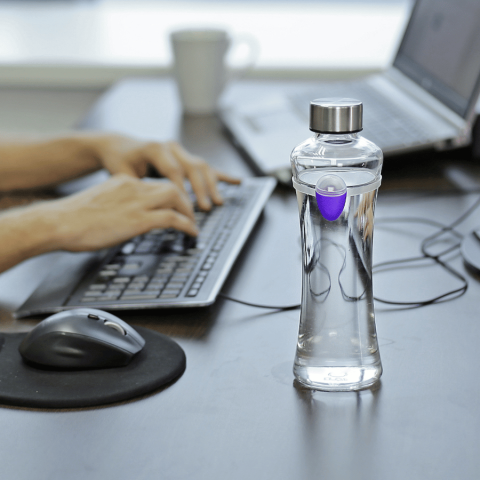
441, 51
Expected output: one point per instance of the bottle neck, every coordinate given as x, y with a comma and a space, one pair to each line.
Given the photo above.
336, 138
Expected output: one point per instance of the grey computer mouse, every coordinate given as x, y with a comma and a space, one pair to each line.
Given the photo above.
82, 338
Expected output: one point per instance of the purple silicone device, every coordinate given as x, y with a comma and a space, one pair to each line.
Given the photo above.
331, 194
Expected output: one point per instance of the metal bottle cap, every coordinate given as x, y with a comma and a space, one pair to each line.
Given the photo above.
336, 115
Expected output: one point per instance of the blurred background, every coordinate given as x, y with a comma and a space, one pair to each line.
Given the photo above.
58, 56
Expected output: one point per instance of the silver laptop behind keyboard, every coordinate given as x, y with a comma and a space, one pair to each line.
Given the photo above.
384, 123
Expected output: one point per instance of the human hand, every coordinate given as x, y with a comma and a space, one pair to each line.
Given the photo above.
364, 215
120, 154
115, 211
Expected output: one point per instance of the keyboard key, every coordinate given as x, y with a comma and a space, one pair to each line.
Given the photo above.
121, 280
183, 258
162, 271
112, 266
192, 292
146, 243
156, 231
128, 248
131, 267
172, 291
111, 294
158, 280
144, 249
93, 293
170, 236
175, 285
141, 278
98, 286
179, 277
139, 297
130, 293
185, 269
152, 291
107, 273
115, 288
107, 298
188, 261
132, 290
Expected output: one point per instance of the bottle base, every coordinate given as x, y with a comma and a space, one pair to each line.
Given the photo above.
338, 379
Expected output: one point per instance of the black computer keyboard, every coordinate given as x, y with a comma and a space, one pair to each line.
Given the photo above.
169, 268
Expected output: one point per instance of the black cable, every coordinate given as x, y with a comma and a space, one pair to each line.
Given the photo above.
426, 242
443, 297
270, 307
450, 228
450, 295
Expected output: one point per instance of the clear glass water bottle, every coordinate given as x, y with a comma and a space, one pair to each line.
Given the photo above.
336, 174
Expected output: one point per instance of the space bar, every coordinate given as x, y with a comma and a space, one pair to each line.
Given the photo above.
138, 297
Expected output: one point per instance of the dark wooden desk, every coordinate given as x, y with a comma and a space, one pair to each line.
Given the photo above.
236, 412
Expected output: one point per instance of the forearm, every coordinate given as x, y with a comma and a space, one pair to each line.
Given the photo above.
98, 217
30, 163
26, 232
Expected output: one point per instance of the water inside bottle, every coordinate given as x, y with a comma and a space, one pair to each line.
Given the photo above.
337, 346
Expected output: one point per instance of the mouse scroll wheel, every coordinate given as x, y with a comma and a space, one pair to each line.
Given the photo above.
115, 326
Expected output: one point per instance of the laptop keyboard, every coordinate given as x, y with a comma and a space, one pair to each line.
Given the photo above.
165, 267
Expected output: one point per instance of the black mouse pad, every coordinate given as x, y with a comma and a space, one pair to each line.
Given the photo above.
159, 362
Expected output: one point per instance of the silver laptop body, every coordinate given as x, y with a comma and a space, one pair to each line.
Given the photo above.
425, 99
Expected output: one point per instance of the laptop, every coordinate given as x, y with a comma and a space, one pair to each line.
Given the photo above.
426, 99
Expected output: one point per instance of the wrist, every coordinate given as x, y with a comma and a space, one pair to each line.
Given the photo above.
86, 149
32, 162
26, 232
97, 144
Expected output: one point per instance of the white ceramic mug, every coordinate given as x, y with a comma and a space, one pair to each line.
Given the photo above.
200, 69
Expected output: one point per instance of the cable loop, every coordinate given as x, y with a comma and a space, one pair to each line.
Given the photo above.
426, 242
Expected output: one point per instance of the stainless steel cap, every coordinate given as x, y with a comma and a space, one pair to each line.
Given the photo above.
336, 115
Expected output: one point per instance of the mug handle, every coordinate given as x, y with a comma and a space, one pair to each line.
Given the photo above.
251, 60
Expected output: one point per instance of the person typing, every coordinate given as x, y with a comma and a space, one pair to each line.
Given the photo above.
106, 214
